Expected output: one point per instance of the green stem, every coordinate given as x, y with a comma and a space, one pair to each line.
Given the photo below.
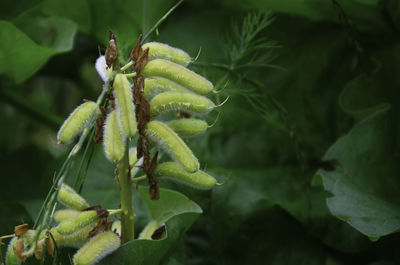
139, 179
127, 216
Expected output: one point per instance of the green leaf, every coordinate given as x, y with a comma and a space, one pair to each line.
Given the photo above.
362, 97
171, 203
365, 184
177, 211
21, 57
53, 32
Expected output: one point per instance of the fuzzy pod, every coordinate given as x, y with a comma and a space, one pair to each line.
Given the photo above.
155, 85
75, 122
188, 127
134, 163
113, 140
76, 239
170, 142
178, 74
11, 257
173, 172
116, 227
70, 198
97, 248
149, 229
159, 50
83, 219
124, 104
188, 102
65, 214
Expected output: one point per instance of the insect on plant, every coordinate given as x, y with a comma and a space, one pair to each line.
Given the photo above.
126, 119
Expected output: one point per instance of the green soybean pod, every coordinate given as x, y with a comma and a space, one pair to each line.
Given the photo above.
116, 227
113, 140
164, 136
149, 229
154, 85
188, 102
65, 214
11, 258
97, 248
159, 50
70, 198
74, 240
188, 127
173, 172
75, 122
73, 225
125, 108
178, 74
134, 163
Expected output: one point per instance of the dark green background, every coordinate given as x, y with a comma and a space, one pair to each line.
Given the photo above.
307, 145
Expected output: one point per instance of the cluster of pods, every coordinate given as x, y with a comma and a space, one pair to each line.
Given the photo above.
168, 86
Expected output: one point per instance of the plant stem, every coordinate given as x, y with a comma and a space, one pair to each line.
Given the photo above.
127, 216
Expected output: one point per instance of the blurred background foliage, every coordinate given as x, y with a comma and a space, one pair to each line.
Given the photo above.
307, 145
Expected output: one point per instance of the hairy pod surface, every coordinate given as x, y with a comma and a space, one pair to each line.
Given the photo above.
113, 140
188, 127
188, 102
65, 214
74, 240
116, 227
173, 172
75, 122
73, 225
178, 74
159, 50
149, 229
170, 142
134, 163
11, 258
70, 198
155, 85
125, 108
97, 248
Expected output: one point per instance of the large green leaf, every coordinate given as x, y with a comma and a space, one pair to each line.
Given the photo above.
21, 57
365, 184
177, 211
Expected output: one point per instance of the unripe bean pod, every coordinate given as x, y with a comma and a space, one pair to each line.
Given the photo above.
188, 102
70, 198
124, 103
11, 257
65, 214
149, 229
97, 248
134, 163
173, 172
73, 225
116, 227
178, 74
155, 85
188, 127
114, 141
75, 122
164, 136
74, 240
163, 51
